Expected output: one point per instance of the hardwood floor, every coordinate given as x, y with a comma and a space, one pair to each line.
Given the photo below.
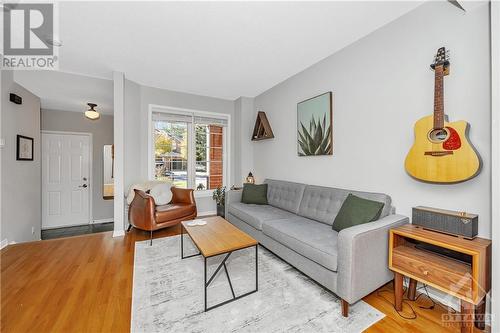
84, 284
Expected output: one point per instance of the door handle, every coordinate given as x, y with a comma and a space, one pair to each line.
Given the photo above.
84, 186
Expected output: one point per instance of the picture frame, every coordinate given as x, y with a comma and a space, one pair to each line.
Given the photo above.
24, 148
315, 125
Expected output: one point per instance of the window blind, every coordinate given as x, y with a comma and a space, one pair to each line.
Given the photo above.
210, 121
187, 118
172, 117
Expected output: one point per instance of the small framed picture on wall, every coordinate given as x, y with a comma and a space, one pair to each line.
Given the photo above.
24, 150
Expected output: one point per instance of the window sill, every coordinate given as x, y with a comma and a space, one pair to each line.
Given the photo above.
203, 194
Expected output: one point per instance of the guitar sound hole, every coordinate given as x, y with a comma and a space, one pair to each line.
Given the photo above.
438, 135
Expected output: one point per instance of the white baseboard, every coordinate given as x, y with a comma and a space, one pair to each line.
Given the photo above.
209, 213
439, 296
64, 226
452, 302
108, 220
4, 243
118, 233
79, 224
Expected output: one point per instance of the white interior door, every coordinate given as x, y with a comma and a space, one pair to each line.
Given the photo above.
65, 179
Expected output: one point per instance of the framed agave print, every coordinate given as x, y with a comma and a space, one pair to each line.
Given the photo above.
314, 126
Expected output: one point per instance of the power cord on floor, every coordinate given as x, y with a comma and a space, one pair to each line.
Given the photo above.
430, 307
434, 303
406, 301
400, 313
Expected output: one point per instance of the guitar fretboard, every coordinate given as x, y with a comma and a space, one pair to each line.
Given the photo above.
438, 97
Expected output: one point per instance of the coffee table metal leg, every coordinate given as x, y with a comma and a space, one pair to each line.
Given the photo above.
182, 242
256, 267
218, 269
182, 247
205, 282
223, 264
229, 280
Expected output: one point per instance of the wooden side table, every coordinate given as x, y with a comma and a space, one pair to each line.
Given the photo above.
468, 279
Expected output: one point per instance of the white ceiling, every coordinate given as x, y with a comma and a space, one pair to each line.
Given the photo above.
67, 92
219, 49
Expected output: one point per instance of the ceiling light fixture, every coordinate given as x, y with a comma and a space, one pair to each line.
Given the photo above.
91, 113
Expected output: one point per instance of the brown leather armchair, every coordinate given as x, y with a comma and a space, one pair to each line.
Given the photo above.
145, 215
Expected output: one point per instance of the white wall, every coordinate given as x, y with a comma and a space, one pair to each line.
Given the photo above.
237, 140
382, 85
119, 140
245, 116
132, 139
20, 180
102, 134
495, 125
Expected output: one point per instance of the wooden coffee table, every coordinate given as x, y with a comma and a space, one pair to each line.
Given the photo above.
218, 237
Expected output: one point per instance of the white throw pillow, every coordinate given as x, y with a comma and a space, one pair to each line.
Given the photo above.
131, 193
146, 186
161, 194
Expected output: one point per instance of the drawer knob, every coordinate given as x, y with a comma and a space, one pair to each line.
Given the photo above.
426, 272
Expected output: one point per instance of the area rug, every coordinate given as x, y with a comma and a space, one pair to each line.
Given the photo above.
168, 294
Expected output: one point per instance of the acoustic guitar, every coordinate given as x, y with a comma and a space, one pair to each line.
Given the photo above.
441, 152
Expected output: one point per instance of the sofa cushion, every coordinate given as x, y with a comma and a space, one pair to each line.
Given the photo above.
171, 212
254, 194
315, 241
255, 215
323, 203
356, 210
284, 195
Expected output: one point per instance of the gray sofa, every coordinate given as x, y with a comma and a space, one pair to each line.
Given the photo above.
297, 224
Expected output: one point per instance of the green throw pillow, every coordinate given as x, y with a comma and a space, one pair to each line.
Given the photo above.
356, 210
254, 194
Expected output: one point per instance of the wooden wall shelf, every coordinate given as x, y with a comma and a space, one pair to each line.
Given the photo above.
262, 129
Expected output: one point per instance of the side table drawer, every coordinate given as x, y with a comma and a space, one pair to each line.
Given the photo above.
433, 269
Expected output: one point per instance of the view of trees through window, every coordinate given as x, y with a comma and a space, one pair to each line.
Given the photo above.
171, 144
171, 152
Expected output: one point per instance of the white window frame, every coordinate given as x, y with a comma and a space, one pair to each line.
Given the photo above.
226, 149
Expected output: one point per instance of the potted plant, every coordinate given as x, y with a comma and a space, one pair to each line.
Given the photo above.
219, 195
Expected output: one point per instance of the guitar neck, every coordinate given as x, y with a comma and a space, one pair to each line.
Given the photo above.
438, 97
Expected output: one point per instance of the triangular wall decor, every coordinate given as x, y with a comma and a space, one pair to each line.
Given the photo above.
262, 129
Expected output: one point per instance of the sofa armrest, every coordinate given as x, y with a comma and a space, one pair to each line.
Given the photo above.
141, 212
183, 195
363, 257
232, 196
